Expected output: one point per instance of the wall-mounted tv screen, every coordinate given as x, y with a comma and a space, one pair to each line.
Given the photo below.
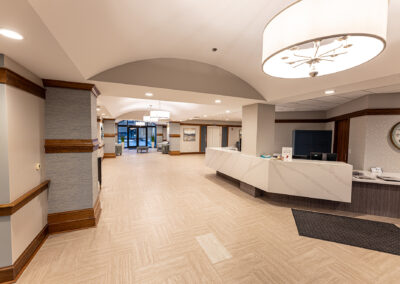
307, 141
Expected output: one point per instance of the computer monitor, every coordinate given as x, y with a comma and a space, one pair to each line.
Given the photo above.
315, 156
331, 157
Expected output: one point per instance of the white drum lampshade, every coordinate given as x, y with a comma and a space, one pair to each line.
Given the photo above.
318, 37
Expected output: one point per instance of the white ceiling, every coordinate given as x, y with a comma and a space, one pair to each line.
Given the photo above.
327, 102
130, 108
74, 40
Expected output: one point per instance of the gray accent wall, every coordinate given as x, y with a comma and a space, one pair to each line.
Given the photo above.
69, 114
72, 176
109, 142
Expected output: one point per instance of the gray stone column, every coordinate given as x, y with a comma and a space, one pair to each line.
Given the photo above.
71, 153
258, 129
109, 137
174, 138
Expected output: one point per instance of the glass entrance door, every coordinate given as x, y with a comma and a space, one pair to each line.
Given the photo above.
132, 137
142, 136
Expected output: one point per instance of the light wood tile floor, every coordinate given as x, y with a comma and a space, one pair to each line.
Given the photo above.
154, 207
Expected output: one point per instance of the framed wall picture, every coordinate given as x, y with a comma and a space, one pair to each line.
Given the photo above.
189, 134
395, 135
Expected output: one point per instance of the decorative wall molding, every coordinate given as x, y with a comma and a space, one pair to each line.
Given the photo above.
71, 145
71, 85
109, 155
74, 220
108, 119
10, 208
11, 273
159, 134
174, 135
11, 78
110, 135
383, 111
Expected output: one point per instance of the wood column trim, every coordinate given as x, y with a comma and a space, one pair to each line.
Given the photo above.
381, 111
11, 78
10, 208
13, 272
71, 145
109, 134
71, 85
74, 220
174, 135
109, 155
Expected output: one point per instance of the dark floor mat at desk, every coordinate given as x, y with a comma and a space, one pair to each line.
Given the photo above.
361, 233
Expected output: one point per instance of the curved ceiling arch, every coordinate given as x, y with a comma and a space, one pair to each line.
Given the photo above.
180, 74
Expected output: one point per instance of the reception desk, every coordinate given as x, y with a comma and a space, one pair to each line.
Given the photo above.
313, 179
308, 184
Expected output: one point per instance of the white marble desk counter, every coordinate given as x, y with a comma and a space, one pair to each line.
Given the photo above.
314, 179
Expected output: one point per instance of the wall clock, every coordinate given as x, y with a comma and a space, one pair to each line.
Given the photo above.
395, 135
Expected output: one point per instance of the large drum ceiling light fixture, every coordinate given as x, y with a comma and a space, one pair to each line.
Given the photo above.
318, 37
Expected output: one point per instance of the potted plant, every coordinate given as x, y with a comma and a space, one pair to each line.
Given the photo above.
123, 141
152, 141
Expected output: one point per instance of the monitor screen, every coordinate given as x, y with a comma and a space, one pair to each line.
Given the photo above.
307, 141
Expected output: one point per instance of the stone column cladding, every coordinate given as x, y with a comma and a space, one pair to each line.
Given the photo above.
159, 133
258, 129
110, 132
174, 138
71, 149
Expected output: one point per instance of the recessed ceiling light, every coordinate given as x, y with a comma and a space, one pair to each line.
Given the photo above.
11, 34
149, 94
228, 111
205, 115
218, 101
329, 92
98, 109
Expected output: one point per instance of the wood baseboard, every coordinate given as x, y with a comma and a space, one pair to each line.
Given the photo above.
12, 273
74, 220
174, 153
109, 155
189, 153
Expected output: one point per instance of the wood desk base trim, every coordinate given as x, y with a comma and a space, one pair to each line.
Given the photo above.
74, 220
13, 272
189, 153
174, 153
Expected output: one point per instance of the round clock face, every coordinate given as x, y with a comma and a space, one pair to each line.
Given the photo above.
395, 135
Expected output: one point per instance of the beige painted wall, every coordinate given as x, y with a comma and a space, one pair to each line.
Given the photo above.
233, 136
190, 146
379, 151
283, 133
25, 138
214, 136
258, 129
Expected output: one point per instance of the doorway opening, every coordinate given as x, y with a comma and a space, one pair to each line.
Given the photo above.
135, 135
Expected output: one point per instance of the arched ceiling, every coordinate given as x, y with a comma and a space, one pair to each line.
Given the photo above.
101, 34
179, 74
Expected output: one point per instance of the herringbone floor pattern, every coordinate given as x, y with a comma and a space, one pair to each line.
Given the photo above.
155, 205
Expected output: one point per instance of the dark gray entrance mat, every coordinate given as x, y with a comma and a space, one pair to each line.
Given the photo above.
367, 234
